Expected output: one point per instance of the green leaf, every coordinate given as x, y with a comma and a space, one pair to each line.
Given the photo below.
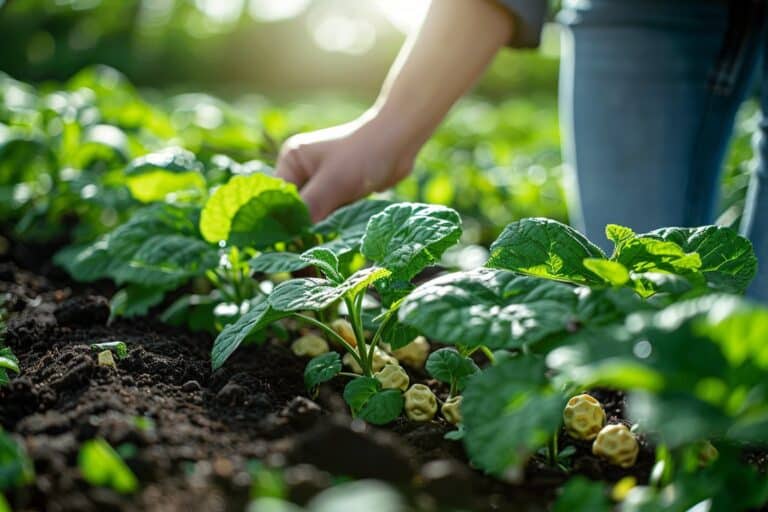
100, 465
172, 170
166, 261
325, 260
583, 495
346, 226
110, 254
619, 235
118, 347
509, 411
358, 391
545, 248
255, 211
16, 468
728, 260
134, 300
383, 407
406, 237
8, 361
277, 262
490, 307
645, 254
322, 369
612, 272
447, 365
258, 317
314, 294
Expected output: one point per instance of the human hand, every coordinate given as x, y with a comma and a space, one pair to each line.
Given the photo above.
339, 165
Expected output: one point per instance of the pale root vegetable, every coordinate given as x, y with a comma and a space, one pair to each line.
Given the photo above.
381, 359
345, 330
420, 403
413, 354
350, 361
451, 410
617, 445
310, 345
583, 417
392, 376
105, 358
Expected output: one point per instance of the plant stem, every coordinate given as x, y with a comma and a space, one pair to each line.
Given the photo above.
354, 306
488, 354
330, 332
552, 450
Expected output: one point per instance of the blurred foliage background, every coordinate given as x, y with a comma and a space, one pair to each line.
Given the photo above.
284, 66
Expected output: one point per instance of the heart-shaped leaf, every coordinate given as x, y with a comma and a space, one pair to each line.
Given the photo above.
447, 365
322, 369
490, 307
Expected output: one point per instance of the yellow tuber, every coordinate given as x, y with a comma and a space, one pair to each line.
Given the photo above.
413, 354
345, 330
583, 417
310, 345
617, 445
392, 376
420, 403
451, 410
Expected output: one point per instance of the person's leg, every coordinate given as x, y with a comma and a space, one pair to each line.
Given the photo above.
755, 220
644, 130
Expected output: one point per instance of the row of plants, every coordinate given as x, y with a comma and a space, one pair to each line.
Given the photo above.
223, 246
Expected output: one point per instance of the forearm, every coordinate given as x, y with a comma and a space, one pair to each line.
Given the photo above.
438, 64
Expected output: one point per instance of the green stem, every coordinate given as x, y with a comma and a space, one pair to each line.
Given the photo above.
348, 374
377, 336
552, 450
488, 354
330, 332
354, 306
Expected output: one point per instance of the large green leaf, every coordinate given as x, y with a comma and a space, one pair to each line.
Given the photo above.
111, 253
358, 391
496, 308
276, 262
406, 237
727, 259
172, 170
255, 211
345, 227
135, 300
545, 248
509, 411
258, 317
314, 294
167, 260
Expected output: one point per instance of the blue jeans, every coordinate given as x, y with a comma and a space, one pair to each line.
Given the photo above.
649, 93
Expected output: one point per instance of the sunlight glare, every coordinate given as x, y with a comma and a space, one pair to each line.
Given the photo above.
276, 10
405, 15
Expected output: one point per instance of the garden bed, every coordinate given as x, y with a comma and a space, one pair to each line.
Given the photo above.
189, 434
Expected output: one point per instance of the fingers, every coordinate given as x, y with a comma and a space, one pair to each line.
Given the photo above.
289, 166
327, 191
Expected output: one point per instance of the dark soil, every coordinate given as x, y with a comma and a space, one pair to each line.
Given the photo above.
189, 433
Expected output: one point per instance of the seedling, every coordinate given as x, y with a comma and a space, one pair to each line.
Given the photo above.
101, 465
119, 348
105, 359
8, 362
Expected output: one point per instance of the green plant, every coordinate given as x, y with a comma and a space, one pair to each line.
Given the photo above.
8, 362
399, 241
102, 466
15, 466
